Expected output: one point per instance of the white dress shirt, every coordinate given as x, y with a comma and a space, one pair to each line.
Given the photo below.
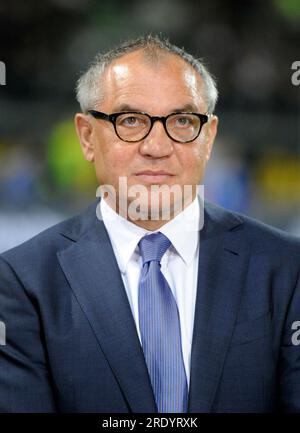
179, 264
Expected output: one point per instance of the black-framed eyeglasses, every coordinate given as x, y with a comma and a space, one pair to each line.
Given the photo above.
133, 126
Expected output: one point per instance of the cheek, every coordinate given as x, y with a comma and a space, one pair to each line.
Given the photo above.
120, 157
193, 159
112, 160
202, 150
193, 164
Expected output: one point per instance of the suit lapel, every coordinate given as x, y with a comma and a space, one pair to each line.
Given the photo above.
93, 274
222, 269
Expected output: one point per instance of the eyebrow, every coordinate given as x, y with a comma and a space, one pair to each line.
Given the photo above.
184, 109
125, 107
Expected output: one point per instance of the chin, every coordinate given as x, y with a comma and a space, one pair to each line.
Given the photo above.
153, 207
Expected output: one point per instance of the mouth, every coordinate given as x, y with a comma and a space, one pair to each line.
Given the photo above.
153, 177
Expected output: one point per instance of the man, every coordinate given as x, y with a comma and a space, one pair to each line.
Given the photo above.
128, 307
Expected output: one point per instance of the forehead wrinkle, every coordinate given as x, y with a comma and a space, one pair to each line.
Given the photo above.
120, 79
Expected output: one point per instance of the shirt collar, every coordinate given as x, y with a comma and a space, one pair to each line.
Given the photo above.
182, 231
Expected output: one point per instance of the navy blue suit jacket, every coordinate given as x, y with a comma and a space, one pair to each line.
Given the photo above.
71, 340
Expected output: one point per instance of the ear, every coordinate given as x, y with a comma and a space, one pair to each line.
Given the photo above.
211, 132
84, 129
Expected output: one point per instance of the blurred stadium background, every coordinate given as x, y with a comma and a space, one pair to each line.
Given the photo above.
249, 46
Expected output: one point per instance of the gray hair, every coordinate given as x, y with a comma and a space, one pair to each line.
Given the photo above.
88, 91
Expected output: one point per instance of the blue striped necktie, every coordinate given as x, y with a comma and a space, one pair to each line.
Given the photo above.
160, 329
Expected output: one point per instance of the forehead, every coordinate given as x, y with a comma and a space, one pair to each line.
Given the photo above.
166, 83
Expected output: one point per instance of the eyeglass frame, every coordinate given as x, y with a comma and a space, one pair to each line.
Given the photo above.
113, 118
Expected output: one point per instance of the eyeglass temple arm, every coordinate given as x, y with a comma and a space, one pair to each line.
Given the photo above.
99, 114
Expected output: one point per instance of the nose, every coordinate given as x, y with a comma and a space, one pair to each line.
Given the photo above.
157, 144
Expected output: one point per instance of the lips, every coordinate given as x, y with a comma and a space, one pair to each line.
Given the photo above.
153, 176
153, 173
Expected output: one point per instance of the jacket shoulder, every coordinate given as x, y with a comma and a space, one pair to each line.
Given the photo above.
51, 240
259, 235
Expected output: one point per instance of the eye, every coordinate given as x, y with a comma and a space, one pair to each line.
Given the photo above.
183, 121
131, 120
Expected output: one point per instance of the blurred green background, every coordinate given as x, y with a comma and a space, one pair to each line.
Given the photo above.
249, 46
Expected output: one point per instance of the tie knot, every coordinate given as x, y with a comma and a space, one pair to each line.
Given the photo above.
153, 247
